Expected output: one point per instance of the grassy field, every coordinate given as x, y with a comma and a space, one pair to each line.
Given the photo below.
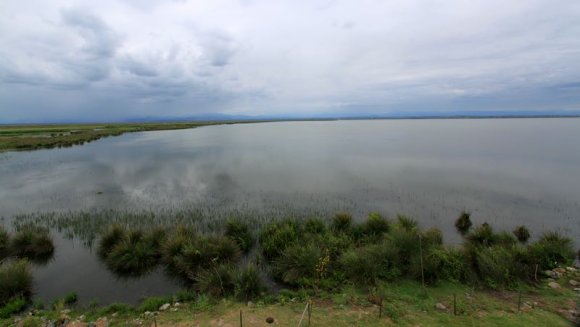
407, 305
31, 137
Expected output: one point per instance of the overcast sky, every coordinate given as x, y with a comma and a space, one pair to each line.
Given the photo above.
115, 60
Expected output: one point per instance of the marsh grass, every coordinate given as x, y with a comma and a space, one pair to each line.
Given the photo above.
4, 243
33, 243
15, 280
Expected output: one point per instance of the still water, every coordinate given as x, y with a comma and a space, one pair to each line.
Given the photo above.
505, 171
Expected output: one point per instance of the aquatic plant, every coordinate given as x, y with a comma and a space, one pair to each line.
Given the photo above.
248, 283
463, 223
297, 264
33, 243
4, 243
341, 222
216, 281
522, 234
15, 280
406, 222
275, 237
239, 231
482, 235
113, 236
370, 263
136, 254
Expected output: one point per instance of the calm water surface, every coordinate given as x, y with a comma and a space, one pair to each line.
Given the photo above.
505, 171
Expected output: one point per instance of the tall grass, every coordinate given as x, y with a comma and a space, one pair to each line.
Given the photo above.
4, 243
15, 280
33, 243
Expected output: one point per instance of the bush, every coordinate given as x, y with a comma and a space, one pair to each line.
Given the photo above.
275, 237
482, 235
463, 223
431, 237
186, 257
297, 264
4, 243
248, 284
406, 223
15, 280
522, 234
239, 231
135, 255
406, 241
13, 306
552, 250
440, 264
113, 236
373, 228
505, 239
217, 281
33, 243
341, 222
496, 266
368, 264
314, 226
71, 298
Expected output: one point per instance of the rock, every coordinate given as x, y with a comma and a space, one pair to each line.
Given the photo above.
164, 307
91, 324
571, 269
554, 285
574, 313
147, 313
177, 304
114, 314
173, 309
65, 311
82, 317
251, 304
559, 270
441, 306
577, 289
573, 282
554, 274
270, 320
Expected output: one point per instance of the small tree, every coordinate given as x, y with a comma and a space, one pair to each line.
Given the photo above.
463, 223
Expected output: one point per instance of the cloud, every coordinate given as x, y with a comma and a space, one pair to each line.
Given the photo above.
118, 60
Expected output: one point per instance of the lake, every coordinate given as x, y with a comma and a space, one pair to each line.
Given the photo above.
504, 171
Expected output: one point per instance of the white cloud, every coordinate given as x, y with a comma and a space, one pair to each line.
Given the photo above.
183, 58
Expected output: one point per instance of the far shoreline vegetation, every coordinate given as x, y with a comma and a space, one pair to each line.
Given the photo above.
23, 137
391, 264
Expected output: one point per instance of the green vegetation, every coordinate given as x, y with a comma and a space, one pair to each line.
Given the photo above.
463, 223
4, 243
15, 281
33, 243
315, 260
32, 137
522, 234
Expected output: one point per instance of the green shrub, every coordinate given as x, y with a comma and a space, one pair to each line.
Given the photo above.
217, 281
314, 226
15, 280
297, 264
463, 223
71, 298
406, 223
153, 303
440, 264
275, 237
406, 241
33, 243
341, 222
4, 243
187, 257
431, 237
496, 266
13, 306
133, 256
373, 228
239, 231
505, 239
113, 236
482, 235
368, 264
552, 250
248, 284
115, 308
522, 234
